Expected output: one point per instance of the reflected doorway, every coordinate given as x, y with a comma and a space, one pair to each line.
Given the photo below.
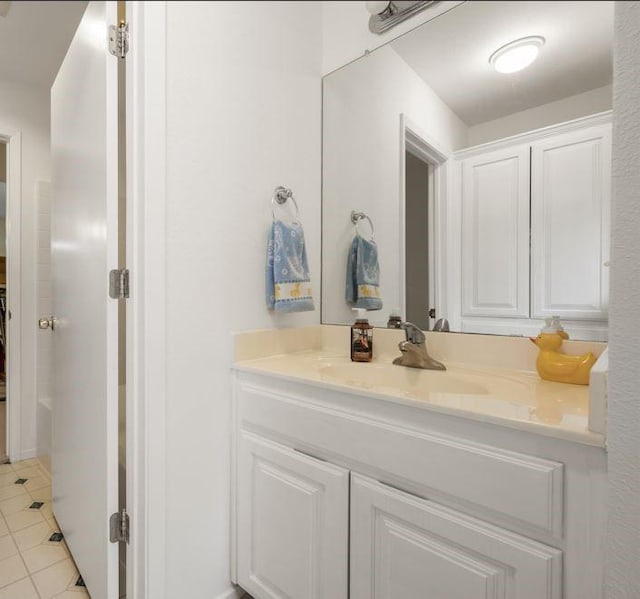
418, 191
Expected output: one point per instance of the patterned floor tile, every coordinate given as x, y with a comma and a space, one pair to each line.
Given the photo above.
42, 556
11, 570
32, 566
55, 579
15, 504
7, 547
22, 589
32, 536
23, 519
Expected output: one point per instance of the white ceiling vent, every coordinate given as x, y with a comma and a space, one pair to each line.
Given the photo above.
4, 7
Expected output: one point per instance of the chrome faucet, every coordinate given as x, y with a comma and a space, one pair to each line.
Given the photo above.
414, 350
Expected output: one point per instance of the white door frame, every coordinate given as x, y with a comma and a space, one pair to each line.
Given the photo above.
14, 327
146, 322
425, 147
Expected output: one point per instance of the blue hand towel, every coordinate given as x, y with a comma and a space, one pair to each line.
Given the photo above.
363, 275
287, 274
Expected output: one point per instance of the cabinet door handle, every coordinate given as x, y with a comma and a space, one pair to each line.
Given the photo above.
309, 455
401, 490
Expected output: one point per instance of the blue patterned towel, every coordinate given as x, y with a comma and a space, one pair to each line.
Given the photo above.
288, 283
363, 275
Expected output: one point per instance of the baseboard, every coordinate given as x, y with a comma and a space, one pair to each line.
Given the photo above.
233, 593
27, 454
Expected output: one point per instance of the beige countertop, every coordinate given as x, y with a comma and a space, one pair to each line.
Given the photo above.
508, 397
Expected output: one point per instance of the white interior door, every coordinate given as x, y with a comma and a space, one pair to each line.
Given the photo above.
85, 344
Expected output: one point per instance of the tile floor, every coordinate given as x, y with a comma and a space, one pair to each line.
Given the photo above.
31, 565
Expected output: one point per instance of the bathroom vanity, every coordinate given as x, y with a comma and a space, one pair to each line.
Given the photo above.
487, 196
374, 480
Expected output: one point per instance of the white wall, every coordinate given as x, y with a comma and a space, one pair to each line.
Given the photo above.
346, 35
623, 538
244, 88
243, 116
361, 166
26, 109
573, 107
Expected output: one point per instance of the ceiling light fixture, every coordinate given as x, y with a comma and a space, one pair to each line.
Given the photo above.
385, 15
516, 55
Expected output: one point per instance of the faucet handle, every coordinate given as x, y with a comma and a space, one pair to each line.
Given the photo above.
413, 333
442, 325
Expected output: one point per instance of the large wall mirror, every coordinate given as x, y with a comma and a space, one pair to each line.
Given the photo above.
487, 182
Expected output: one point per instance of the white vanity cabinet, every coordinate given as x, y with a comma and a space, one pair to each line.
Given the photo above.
405, 546
293, 522
341, 494
535, 229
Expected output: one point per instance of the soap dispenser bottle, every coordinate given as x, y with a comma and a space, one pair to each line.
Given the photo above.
361, 338
553, 325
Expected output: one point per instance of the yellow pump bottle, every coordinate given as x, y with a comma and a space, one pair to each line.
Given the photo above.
553, 365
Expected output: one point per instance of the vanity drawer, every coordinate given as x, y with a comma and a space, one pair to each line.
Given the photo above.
522, 487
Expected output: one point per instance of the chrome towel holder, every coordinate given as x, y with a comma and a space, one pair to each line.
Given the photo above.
356, 217
280, 197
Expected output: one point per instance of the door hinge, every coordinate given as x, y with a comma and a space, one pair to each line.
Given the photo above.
119, 527
119, 39
119, 283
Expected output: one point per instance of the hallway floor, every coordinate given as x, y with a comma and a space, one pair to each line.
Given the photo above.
34, 564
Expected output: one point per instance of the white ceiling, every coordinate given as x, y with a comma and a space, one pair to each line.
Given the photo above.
451, 53
34, 37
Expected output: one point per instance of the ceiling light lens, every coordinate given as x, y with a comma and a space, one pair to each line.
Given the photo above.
516, 55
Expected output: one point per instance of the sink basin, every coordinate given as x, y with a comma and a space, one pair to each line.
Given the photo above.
414, 381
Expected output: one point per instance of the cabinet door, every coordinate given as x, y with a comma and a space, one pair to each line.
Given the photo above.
570, 200
404, 546
293, 523
495, 233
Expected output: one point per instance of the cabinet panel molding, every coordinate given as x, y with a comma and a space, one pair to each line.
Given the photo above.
495, 233
292, 523
523, 487
404, 546
571, 196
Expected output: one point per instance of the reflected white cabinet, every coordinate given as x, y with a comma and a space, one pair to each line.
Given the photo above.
495, 233
535, 229
293, 522
405, 546
571, 193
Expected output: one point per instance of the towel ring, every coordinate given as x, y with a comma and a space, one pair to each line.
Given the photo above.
356, 217
280, 197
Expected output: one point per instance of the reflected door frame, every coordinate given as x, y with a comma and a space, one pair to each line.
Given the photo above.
422, 145
13, 140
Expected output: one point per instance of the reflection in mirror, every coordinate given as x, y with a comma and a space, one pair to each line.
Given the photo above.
479, 144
